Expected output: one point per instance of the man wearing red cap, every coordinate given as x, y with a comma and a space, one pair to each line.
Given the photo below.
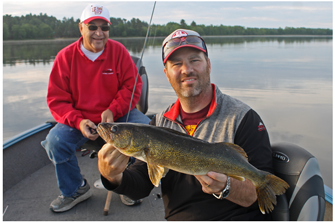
204, 112
91, 81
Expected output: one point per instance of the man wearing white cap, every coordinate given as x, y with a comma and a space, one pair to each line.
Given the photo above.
91, 81
204, 112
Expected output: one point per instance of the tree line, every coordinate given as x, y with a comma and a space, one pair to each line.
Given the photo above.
43, 26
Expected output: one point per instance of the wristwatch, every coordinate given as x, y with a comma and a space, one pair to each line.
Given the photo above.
225, 192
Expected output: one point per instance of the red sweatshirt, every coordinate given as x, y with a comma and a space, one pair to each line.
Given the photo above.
81, 89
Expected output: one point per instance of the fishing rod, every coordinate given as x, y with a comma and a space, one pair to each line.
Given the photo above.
140, 61
109, 194
93, 131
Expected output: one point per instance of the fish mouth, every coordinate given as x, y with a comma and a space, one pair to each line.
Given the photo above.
103, 132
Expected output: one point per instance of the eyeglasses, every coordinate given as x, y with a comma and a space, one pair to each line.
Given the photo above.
92, 27
170, 45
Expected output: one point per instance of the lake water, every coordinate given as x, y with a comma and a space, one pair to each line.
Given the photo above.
287, 80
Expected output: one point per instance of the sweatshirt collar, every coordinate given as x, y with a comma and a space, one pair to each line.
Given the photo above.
173, 113
101, 57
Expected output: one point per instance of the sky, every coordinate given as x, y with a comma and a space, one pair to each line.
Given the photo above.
259, 14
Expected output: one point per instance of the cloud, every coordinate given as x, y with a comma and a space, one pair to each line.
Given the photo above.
254, 19
233, 9
289, 8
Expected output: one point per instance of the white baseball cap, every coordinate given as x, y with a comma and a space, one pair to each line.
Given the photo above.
94, 11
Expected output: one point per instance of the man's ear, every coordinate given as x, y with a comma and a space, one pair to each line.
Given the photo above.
166, 73
80, 26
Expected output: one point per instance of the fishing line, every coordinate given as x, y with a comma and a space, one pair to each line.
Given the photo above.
153, 41
140, 61
5, 211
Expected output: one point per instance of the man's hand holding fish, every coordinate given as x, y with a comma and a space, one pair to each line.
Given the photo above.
112, 163
242, 193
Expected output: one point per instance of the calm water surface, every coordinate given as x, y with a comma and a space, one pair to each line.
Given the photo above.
287, 80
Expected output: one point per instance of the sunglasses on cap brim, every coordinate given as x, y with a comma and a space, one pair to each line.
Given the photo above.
92, 27
191, 40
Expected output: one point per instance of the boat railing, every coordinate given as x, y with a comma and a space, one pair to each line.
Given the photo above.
26, 134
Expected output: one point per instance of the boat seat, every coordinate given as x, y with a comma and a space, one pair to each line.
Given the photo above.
142, 104
305, 198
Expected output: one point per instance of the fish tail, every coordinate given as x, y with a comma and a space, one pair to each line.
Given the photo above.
267, 191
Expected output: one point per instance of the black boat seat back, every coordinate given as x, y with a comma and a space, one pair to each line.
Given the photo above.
142, 104
305, 199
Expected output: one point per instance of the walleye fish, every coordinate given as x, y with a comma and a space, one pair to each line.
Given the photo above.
163, 149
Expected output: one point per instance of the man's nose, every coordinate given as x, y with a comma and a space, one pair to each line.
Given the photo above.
99, 31
187, 68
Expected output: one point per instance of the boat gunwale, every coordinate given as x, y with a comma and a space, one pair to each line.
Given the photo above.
15, 139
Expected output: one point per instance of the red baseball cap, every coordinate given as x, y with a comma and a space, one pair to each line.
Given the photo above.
182, 38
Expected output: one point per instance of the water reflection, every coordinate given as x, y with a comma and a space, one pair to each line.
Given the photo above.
288, 81
32, 52
43, 51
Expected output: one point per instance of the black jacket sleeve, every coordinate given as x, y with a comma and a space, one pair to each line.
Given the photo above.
253, 137
135, 182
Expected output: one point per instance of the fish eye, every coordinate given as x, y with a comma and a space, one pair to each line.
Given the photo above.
114, 129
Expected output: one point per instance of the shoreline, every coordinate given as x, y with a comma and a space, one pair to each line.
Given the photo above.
206, 36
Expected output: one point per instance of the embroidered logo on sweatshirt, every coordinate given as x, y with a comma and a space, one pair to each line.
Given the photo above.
191, 129
108, 72
261, 127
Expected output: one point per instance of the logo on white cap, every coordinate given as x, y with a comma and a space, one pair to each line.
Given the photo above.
96, 10
179, 33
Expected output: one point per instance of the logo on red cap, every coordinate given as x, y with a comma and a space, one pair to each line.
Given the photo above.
96, 10
179, 33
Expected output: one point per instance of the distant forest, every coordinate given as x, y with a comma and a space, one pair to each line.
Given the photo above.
43, 26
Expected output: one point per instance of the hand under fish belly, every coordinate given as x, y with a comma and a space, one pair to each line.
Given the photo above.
164, 149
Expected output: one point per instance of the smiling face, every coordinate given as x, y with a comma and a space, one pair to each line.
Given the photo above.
188, 70
94, 41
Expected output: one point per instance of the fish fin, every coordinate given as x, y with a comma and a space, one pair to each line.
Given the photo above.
238, 149
155, 173
166, 170
267, 191
237, 177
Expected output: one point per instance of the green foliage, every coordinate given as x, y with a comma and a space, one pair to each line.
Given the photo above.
164, 30
39, 26
5, 31
43, 26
